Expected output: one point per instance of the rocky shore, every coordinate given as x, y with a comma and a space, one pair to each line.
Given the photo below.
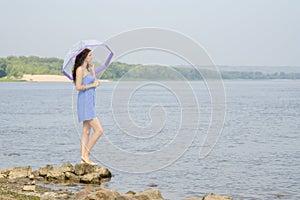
23, 183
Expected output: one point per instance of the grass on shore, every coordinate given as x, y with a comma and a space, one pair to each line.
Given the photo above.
6, 194
5, 79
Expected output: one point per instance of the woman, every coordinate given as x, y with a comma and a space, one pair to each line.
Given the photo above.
86, 82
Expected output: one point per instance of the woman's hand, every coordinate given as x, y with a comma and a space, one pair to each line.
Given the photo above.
91, 66
96, 83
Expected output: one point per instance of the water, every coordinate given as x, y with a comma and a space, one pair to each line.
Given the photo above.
256, 157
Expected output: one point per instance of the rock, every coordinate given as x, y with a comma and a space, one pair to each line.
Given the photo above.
93, 178
83, 168
69, 174
72, 177
80, 169
130, 192
29, 188
5, 171
104, 194
20, 172
83, 193
56, 174
31, 176
49, 196
103, 172
216, 197
56, 196
66, 167
150, 194
3, 176
83, 173
278, 196
11, 154
43, 171
152, 185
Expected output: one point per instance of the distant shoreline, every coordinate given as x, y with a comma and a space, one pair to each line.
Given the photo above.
61, 78
44, 78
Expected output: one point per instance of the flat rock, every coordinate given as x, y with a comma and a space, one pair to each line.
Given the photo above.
29, 188
19, 172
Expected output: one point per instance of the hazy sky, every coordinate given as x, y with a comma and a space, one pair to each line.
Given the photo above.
234, 32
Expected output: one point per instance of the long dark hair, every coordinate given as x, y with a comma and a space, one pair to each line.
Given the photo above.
79, 61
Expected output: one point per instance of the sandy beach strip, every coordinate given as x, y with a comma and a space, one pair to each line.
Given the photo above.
49, 78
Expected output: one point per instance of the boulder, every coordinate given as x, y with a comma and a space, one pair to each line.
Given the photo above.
84, 173
43, 171
66, 167
80, 169
93, 178
102, 171
72, 177
56, 174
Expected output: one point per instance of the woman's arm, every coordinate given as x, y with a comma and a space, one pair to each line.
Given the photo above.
79, 76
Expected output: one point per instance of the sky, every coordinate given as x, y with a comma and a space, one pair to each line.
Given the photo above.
233, 32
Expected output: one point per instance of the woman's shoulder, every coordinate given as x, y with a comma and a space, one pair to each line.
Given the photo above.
79, 68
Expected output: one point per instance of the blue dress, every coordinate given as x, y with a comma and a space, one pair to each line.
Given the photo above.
86, 100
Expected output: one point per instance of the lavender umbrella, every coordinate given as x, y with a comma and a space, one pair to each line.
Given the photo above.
101, 56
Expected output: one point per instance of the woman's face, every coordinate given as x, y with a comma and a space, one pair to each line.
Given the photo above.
89, 57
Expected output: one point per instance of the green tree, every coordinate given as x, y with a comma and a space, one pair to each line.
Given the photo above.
3, 70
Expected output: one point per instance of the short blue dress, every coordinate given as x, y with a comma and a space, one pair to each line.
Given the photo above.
86, 100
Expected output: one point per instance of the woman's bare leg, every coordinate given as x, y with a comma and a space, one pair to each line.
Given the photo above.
98, 131
85, 139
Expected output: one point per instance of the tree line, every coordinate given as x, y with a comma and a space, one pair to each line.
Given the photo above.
16, 66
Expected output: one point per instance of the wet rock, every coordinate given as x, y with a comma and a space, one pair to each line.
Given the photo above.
216, 197
93, 178
11, 154
152, 185
72, 177
103, 172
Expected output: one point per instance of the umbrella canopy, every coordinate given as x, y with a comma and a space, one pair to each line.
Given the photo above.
101, 55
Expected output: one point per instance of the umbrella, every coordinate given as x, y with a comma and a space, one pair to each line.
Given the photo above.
101, 55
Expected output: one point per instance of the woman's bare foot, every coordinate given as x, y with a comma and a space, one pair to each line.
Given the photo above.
87, 160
